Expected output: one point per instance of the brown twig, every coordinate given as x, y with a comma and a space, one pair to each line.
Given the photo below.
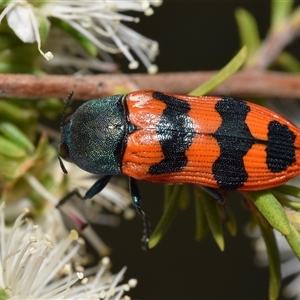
243, 84
276, 41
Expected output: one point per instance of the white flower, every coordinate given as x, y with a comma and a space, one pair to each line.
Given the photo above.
114, 197
78, 213
32, 266
21, 18
98, 21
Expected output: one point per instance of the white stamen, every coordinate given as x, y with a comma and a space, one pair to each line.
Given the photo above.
39, 188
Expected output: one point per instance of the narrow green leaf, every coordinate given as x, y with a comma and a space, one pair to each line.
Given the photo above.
288, 62
14, 134
210, 206
10, 149
231, 224
184, 200
282, 194
280, 12
274, 261
14, 113
294, 218
201, 220
293, 204
235, 63
10, 167
294, 241
50, 108
168, 192
252, 222
271, 209
15, 67
287, 189
171, 205
248, 30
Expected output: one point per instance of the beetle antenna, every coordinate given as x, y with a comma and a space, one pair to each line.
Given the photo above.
63, 118
62, 164
67, 104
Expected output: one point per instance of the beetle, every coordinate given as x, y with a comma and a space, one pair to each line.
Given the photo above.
214, 142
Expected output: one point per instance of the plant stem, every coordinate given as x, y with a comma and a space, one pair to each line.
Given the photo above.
244, 84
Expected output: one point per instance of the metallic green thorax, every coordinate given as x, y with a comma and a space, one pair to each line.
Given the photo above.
94, 135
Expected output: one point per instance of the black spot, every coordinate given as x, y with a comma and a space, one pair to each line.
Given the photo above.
175, 133
280, 147
235, 140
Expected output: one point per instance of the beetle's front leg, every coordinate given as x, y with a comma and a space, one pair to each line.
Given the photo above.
136, 201
96, 188
217, 196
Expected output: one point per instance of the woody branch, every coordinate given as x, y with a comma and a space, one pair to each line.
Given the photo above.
244, 84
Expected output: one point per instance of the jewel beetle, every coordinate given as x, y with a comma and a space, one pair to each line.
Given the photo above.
214, 142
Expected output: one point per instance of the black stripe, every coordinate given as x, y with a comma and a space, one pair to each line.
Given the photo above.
235, 140
175, 133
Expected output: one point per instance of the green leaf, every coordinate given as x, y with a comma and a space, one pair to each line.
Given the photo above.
287, 62
15, 114
287, 189
233, 66
294, 218
271, 209
231, 224
174, 193
201, 220
14, 134
248, 31
184, 200
211, 210
10, 167
274, 261
50, 108
280, 13
10, 149
282, 192
294, 241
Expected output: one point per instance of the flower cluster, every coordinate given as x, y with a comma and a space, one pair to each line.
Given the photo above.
35, 265
98, 22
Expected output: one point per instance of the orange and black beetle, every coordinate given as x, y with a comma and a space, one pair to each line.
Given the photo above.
215, 142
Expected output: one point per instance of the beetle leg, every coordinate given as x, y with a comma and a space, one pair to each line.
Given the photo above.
96, 188
67, 198
212, 192
136, 201
217, 196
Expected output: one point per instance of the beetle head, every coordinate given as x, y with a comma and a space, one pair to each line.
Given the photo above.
92, 137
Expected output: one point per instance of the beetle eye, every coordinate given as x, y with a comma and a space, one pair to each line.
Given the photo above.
64, 152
